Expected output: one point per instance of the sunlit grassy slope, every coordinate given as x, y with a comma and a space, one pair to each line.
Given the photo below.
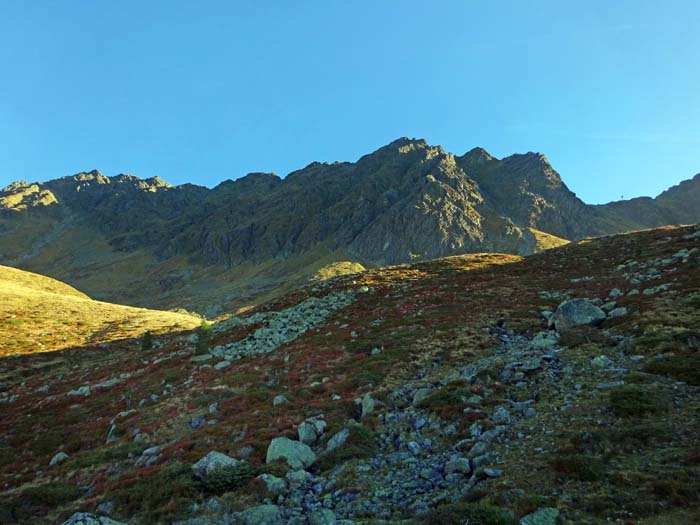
39, 314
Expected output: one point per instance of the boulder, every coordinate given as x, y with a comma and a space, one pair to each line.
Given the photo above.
576, 312
295, 453
279, 400
211, 462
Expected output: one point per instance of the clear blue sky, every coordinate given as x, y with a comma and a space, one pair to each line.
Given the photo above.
205, 91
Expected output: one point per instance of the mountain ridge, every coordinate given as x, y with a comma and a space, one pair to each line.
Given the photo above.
406, 201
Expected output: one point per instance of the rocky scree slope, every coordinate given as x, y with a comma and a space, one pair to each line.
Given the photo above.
561, 388
146, 243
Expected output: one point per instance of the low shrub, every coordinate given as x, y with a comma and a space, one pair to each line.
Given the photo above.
361, 443
635, 401
465, 513
230, 478
579, 467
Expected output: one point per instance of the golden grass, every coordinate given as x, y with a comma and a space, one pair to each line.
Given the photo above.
40, 314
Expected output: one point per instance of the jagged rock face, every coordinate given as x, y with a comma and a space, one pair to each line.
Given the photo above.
406, 201
529, 191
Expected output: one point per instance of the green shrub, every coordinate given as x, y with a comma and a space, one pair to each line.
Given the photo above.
230, 478
361, 443
635, 401
680, 366
36, 501
204, 336
580, 467
158, 497
461, 513
147, 341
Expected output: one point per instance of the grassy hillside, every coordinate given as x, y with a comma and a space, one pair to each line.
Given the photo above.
40, 314
457, 400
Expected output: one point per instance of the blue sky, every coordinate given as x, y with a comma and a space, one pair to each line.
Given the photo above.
205, 91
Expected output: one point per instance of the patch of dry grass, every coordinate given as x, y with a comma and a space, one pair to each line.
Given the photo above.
40, 314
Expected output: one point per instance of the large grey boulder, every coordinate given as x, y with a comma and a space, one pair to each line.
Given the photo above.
576, 312
295, 453
211, 462
86, 518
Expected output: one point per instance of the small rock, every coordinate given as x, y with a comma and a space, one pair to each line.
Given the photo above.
307, 433
261, 515
222, 364
421, 394
368, 404
279, 400
493, 472
458, 466
545, 516
337, 440
86, 518
322, 517
274, 485
601, 361
58, 459
618, 312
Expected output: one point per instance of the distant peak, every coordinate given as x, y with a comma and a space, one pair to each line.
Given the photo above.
478, 156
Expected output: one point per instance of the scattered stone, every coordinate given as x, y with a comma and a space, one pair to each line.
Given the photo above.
211, 462
322, 517
86, 518
58, 459
197, 422
81, 391
279, 400
493, 472
618, 312
458, 466
274, 485
608, 386
601, 361
307, 433
261, 515
337, 440
295, 453
113, 434
222, 364
421, 394
544, 516
368, 404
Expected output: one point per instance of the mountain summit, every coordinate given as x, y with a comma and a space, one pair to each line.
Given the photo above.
147, 243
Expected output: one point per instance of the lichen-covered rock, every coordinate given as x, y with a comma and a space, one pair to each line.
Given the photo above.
295, 453
576, 312
211, 462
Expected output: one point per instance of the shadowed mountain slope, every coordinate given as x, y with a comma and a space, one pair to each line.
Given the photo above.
144, 242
